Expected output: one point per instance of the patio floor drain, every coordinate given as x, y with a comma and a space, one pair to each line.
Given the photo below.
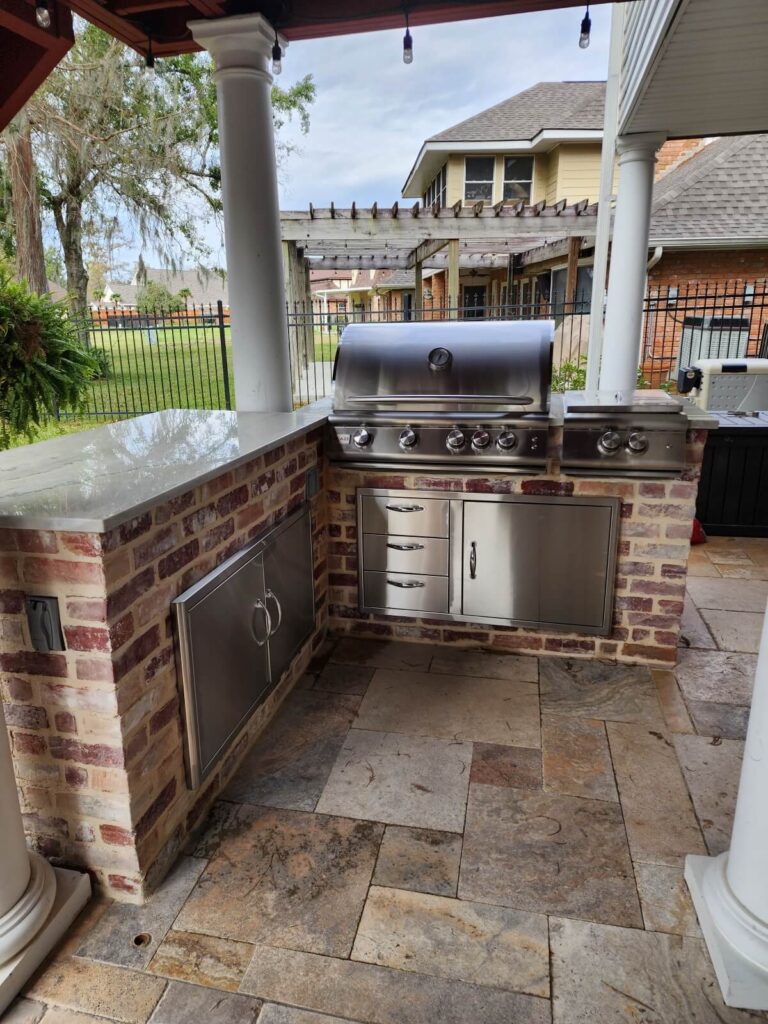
142, 939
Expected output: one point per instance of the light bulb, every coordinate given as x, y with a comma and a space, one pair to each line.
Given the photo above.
586, 27
43, 14
407, 48
277, 58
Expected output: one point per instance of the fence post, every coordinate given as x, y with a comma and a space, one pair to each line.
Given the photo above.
223, 347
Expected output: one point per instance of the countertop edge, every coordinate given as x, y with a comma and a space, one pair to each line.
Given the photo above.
73, 524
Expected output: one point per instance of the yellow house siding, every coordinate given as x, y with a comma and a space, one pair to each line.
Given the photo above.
578, 175
551, 181
455, 182
540, 177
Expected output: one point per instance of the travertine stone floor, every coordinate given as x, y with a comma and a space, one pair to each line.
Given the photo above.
427, 835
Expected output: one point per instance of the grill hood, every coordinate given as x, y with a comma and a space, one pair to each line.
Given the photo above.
433, 367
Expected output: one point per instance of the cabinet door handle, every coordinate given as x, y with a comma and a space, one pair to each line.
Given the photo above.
405, 508
273, 595
473, 560
260, 606
406, 547
406, 584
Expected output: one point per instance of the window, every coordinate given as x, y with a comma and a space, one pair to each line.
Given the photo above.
436, 193
518, 177
478, 178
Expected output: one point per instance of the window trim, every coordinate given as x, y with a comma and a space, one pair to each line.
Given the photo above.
516, 181
437, 190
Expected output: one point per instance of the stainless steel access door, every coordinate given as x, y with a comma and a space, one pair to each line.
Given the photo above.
540, 563
223, 627
288, 579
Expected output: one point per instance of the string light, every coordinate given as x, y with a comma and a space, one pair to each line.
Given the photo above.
407, 44
43, 14
277, 57
149, 60
586, 28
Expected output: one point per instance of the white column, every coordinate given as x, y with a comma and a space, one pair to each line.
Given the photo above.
241, 47
629, 255
730, 892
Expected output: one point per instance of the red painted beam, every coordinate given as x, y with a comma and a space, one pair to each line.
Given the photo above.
28, 53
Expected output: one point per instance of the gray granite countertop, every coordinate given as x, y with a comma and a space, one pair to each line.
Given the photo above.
97, 479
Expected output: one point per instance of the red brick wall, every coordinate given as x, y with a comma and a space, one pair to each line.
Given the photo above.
676, 152
650, 581
679, 267
96, 730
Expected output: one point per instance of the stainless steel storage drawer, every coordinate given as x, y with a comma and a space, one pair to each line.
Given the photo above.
405, 591
407, 516
425, 555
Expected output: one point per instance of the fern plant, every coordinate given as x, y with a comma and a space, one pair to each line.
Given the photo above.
43, 365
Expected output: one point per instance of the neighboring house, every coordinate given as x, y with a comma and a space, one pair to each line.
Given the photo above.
205, 287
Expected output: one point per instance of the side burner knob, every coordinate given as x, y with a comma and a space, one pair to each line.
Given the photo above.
637, 442
408, 438
481, 439
455, 440
362, 438
507, 440
610, 442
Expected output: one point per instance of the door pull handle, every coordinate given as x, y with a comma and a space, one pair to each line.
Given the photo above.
406, 547
405, 508
259, 605
273, 595
473, 560
406, 584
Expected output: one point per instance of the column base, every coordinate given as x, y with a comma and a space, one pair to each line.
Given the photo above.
736, 940
72, 892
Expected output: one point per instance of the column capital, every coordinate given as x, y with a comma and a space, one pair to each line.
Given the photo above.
642, 146
241, 41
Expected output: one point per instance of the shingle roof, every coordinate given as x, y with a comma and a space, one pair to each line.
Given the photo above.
719, 193
568, 105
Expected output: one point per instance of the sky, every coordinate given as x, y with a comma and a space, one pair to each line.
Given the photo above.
372, 112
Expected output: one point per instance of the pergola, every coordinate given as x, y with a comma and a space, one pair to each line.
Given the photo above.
418, 238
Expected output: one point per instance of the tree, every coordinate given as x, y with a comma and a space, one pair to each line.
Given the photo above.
25, 204
111, 140
152, 295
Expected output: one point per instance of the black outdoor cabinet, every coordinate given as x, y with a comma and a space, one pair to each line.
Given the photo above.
733, 493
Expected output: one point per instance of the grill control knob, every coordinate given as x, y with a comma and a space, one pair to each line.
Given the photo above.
507, 440
362, 438
610, 442
455, 440
481, 439
637, 442
408, 438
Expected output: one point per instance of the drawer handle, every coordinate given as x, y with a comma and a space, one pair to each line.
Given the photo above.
274, 629
405, 508
473, 560
406, 547
260, 606
406, 584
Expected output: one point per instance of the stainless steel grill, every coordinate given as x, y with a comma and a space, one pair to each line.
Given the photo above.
465, 394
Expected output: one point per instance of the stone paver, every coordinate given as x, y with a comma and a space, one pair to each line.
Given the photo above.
129, 935
275, 1014
671, 700
596, 689
659, 818
457, 939
383, 654
693, 629
496, 765
337, 678
735, 631
548, 853
401, 780
623, 976
289, 878
575, 757
717, 676
96, 988
732, 595
420, 859
291, 762
665, 899
726, 720
514, 667
203, 959
712, 772
452, 708
381, 995
182, 1003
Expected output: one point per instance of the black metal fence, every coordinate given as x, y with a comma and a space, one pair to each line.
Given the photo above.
171, 358
159, 359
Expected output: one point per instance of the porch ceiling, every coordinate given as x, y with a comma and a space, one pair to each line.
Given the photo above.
392, 238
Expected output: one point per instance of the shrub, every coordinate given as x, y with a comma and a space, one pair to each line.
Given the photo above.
43, 365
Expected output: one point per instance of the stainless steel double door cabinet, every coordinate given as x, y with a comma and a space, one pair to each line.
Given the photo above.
542, 562
238, 630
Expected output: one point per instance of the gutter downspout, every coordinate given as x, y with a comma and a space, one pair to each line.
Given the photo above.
658, 252
603, 231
